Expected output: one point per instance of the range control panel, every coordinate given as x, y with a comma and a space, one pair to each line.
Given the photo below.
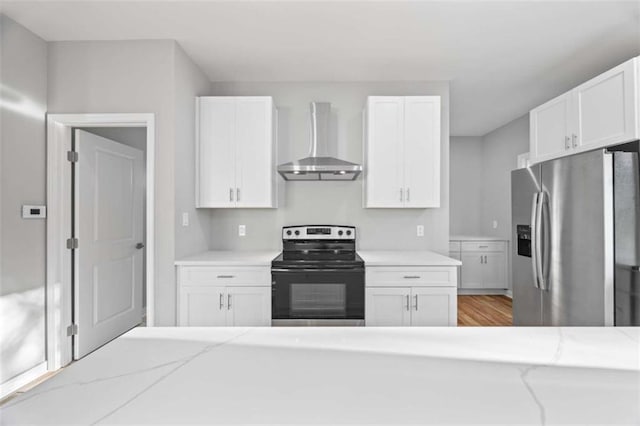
319, 232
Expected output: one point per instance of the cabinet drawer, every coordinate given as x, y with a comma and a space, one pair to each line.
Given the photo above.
407, 277
454, 245
227, 276
483, 246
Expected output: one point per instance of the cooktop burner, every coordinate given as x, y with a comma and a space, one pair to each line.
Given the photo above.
318, 246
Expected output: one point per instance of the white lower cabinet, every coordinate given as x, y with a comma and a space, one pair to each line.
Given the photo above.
411, 306
412, 296
484, 265
224, 297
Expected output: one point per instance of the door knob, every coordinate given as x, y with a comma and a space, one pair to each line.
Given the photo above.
140, 246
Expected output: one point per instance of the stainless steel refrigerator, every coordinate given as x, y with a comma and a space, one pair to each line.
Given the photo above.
576, 240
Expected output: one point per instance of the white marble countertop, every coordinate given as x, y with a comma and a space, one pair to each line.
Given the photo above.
229, 258
296, 375
475, 238
406, 258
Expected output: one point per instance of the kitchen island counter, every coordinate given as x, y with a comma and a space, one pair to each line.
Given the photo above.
385, 376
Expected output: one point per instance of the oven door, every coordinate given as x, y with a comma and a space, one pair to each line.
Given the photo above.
317, 296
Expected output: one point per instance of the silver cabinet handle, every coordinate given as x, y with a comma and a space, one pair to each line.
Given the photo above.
483, 246
401, 195
574, 137
411, 277
534, 239
226, 276
567, 142
408, 308
230, 194
416, 297
221, 301
408, 195
237, 194
228, 301
485, 259
481, 259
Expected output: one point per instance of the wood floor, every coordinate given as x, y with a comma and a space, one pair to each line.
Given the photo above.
484, 311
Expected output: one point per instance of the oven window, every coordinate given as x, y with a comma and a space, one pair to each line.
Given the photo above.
324, 300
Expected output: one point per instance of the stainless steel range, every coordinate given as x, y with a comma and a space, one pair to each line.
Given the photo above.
318, 279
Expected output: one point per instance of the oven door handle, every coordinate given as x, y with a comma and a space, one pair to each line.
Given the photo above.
318, 270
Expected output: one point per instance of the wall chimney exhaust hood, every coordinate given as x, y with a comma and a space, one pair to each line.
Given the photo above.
318, 165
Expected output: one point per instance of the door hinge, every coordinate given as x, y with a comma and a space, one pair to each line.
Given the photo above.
72, 243
72, 330
72, 156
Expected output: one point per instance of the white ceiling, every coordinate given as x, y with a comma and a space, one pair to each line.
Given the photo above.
502, 57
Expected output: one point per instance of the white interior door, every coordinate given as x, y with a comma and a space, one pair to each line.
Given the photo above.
108, 208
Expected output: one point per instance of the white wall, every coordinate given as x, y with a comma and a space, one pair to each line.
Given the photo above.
190, 82
500, 151
23, 104
128, 76
333, 202
467, 186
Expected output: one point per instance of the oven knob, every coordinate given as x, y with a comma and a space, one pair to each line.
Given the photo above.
340, 232
297, 232
348, 232
289, 232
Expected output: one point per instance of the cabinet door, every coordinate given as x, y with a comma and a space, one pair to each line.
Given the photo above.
606, 108
202, 306
248, 306
422, 151
471, 271
549, 132
215, 175
255, 164
434, 306
383, 152
494, 273
387, 307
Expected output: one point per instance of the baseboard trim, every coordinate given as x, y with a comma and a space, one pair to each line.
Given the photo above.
12, 385
483, 292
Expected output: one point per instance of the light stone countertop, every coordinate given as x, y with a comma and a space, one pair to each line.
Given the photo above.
406, 258
476, 238
229, 258
442, 375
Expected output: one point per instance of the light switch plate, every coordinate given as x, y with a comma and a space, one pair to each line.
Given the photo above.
185, 219
242, 230
420, 230
34, 212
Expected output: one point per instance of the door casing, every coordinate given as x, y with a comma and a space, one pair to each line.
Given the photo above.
59, 210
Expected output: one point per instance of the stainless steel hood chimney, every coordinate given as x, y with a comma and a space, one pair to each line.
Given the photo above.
318, 165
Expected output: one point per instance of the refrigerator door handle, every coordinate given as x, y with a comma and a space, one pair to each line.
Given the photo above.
545, 231
538, 240
534, 238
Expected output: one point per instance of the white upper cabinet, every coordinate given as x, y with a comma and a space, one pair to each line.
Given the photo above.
599, 113
236, 152
549, 128
402, 152
422, 151
606, 107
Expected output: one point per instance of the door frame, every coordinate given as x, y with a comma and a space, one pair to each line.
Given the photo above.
58, 300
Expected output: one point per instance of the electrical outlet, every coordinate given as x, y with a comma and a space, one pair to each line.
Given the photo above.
242, 230
495, 224
420, 230
185, 219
